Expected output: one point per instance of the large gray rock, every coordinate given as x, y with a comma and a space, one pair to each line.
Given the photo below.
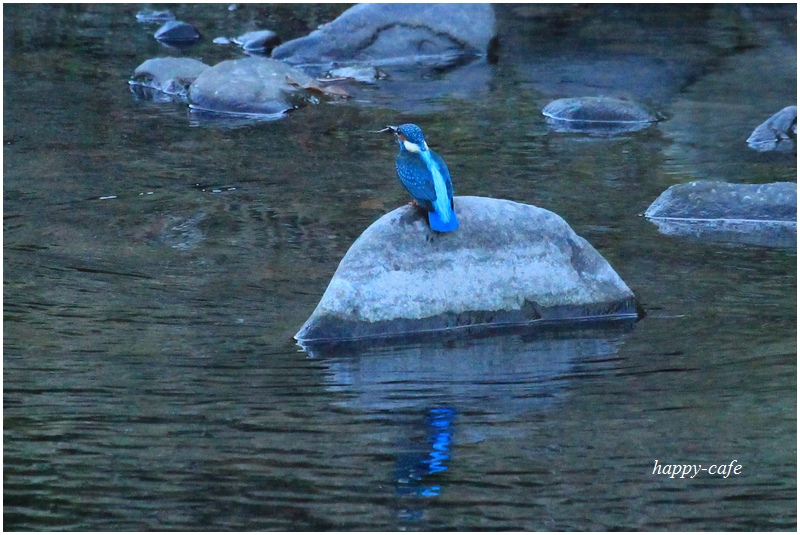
250, 86
171, 76
761, 214
508, 263
395, 32
776, 133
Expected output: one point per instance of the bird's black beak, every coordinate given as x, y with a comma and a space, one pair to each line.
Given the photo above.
392, 129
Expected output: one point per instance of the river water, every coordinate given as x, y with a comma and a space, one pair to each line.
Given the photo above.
156, 267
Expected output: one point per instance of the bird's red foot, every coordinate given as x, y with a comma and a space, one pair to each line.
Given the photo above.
413, 203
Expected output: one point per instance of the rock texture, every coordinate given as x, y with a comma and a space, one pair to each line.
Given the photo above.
396, 32
706, 199
172, 76
250, 86
260, 41
779, 132
761, 214
507, 264
177, 32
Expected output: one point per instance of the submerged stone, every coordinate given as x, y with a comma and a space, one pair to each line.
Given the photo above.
365, 74
172, 76
150, 15
761, 214
507, 264
250, 86
597, 115
395, 32
777, 133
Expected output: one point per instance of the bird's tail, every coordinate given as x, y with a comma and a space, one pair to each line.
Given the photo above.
440, 225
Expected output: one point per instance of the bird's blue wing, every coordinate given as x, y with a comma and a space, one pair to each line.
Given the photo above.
416, 178
443, 217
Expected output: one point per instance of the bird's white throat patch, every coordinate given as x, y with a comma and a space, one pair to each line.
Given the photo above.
413, 147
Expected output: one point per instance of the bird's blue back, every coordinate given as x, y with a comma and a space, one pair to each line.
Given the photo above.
417, 178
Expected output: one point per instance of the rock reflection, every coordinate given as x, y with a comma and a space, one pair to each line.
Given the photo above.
441, 392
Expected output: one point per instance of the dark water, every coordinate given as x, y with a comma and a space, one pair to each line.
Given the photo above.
150, 376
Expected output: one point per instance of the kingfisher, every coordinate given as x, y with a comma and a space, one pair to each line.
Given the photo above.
424, 174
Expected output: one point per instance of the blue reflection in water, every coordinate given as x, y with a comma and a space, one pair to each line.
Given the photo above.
414, 468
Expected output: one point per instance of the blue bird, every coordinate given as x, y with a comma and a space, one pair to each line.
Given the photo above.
424, 174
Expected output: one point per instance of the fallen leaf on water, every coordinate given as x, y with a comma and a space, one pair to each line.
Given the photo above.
328, 91
371, 204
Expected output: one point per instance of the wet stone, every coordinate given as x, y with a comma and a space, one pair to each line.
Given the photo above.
406, 33
172, 76
597, 115
760, 214
705, 199
365, 74
507, 264
250, 86
176, 31
777, 133
262, 41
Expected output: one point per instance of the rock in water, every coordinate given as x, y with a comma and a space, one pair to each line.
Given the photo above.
250, 86
597, 115
778, 133
177, 32
507, 264
707, 199
758, 214
395, 32
262, 41
172, 76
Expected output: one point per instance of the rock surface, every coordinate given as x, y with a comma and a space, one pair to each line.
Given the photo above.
776, 133
507, 264
395, 32
597, 115
250, 86
177, 32
760, 214
172, 76
261, 41
706, 199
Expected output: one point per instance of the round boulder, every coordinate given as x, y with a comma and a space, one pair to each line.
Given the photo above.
258, 86
507, 264
172, 76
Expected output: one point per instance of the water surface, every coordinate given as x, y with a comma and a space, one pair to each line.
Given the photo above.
156, 268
